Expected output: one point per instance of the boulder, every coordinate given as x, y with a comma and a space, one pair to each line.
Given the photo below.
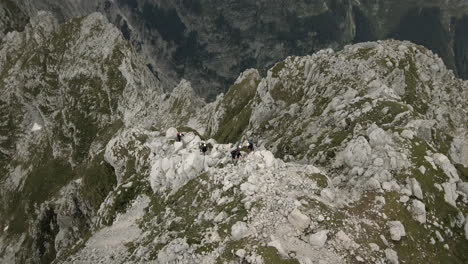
459, 150
327, 194
444, 163
342, 236
373, 184
379, 138
193, 164
463, 187
173, 250
397, 230
374, 247
450, 193
269, 159
415, 188
239, 230
392, 256
318, 239
357, 153
418, 210
241, 253
171, 133
298, 219
408, 134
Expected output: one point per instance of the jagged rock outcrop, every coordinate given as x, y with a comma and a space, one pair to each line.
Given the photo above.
66, 89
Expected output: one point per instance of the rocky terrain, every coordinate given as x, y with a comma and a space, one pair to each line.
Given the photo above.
210, 42
361, 156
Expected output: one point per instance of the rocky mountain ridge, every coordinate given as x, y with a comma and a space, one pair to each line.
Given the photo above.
361, 156
210, 42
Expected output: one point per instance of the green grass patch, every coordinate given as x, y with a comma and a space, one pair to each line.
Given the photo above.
416, 246
277, 68
412, 95
321, 180
237, 106
270, 255
363, 54
98, 180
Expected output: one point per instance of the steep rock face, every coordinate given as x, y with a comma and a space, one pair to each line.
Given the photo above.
12, 18
66, 89
210, 42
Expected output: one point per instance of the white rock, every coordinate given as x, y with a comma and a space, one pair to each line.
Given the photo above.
384, 240
397, 230
178, 146
408, 134
416, 188
269, 159
404, 199
373, 184
422, 169
450, 193
439, 236
392, 256
374, 247
444, 163
406, 191
463, 187
193, 164
240, 230
241, 253
220, 217
36, 127
298, 219
248, 188
318, 239
342, 236
378, 138
357, 152
166, 164
327, 194
378, 162
171, 133
459, 150
320, 218
172, 250
418, 210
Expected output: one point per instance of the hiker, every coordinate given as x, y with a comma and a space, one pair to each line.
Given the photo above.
233, 154
251, 145
179, 136
238, 152
204, 148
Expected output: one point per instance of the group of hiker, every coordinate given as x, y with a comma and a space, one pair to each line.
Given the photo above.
235, 154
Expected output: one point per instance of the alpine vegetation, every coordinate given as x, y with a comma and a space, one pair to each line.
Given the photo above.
351, 156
